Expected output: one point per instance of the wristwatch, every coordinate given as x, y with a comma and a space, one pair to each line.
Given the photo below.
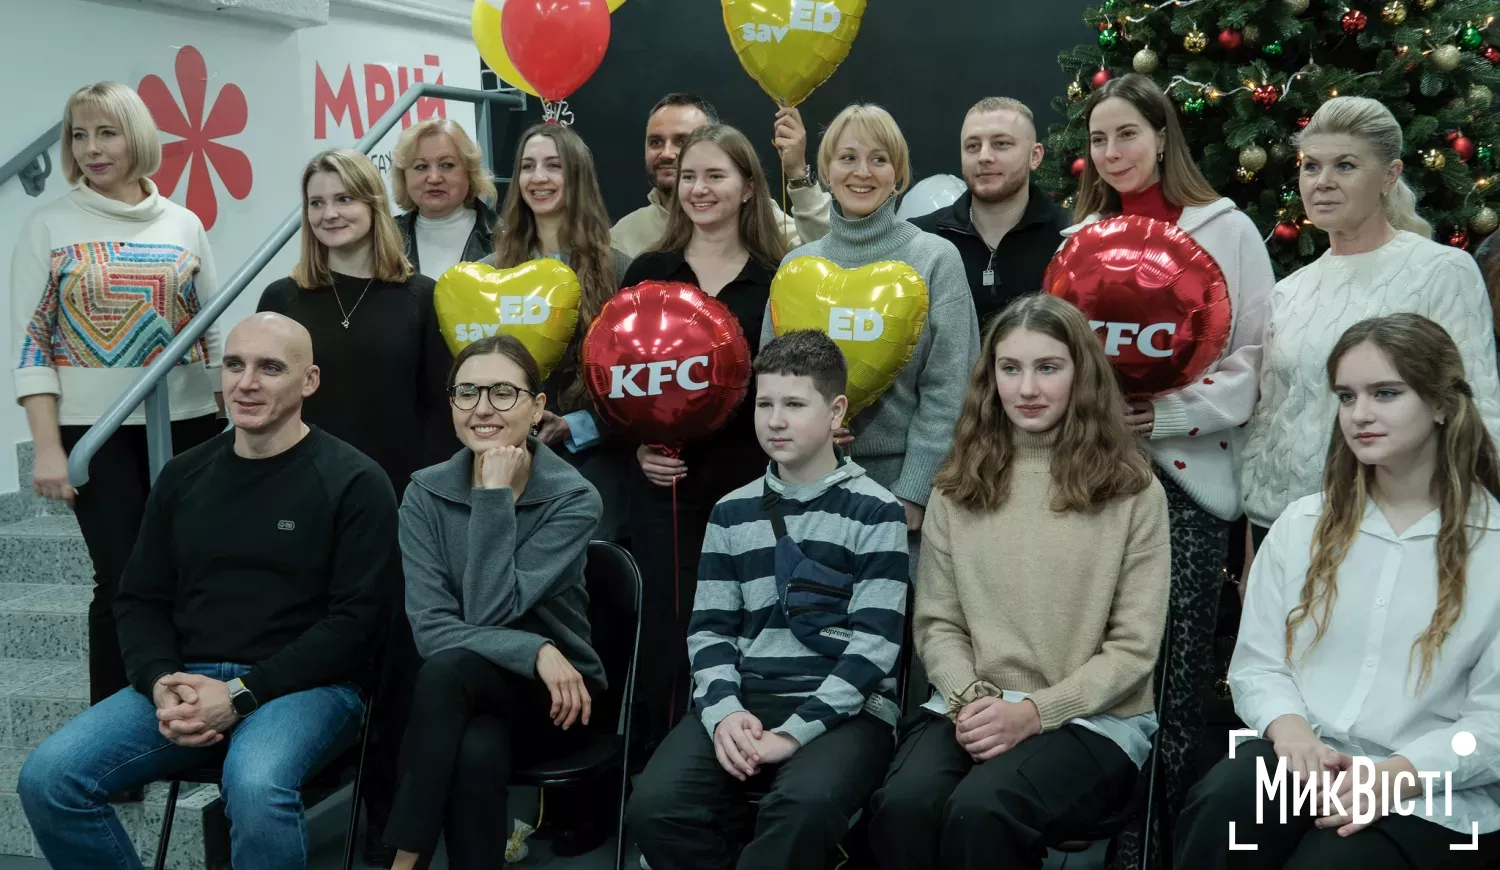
239, 695
807, 180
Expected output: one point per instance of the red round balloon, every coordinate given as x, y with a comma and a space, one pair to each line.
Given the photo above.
666, 362
1158, 301
555, 44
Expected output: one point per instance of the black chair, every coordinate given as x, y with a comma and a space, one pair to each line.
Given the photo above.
329, 779
1143, 799
614, 585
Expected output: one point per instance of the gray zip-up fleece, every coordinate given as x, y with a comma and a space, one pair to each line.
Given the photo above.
499, 577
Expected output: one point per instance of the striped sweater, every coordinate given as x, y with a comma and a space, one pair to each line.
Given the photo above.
739, 642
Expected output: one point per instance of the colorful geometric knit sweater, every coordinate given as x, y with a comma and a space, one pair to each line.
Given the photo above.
98, 289
743, 653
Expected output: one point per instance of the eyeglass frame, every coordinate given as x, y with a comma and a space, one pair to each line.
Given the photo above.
489, 393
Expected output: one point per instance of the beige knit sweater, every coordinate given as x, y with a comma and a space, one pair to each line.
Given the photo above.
1068, 607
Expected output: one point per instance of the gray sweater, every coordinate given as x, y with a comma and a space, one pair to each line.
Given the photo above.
903, 438
499, 577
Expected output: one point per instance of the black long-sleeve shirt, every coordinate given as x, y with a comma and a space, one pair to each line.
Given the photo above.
284, 563
385, 377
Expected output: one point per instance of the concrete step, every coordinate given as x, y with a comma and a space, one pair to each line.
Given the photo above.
43, 621
45, 549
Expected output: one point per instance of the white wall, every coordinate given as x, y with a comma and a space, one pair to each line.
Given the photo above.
368, 50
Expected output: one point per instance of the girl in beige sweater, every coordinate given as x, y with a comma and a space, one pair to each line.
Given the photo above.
1040, 605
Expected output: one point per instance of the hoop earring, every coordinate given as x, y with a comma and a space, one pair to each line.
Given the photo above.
536, 428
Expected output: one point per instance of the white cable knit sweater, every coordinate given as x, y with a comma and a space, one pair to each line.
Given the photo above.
1310, 309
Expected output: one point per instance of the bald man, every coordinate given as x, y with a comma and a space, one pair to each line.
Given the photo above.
247, 612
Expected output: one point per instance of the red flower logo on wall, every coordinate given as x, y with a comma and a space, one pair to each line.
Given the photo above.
196, 143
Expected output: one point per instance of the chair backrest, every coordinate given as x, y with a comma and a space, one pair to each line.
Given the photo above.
614, 585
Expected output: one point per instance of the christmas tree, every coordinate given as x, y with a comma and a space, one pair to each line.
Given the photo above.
1246, 75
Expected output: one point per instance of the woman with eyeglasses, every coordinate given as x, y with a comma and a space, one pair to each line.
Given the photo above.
493, 542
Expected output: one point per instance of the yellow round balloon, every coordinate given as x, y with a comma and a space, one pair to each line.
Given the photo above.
484, 25
537, 302
791, 46
875, 315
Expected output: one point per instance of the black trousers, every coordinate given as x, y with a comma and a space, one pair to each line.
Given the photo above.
938, 808
468, 720
685, 804
110, 508
398, 678
1228, 794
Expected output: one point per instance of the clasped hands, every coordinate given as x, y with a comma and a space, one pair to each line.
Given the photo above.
193, 710
988, 726
742, 745
1307, 755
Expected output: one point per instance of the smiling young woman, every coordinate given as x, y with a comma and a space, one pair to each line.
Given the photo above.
111, 259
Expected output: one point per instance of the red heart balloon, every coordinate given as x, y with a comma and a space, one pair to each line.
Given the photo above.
1158, 300
555, 44
666, 362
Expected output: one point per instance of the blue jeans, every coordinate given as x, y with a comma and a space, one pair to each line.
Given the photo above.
114, 746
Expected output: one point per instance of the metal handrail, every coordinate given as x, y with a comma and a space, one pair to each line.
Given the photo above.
24, 164
151, 388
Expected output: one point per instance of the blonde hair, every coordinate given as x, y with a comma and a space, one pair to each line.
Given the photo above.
759, 232
362, 181
877, 126
405, 155
1182, 183
125, 106
1005, 104
1371, 122
1428, 361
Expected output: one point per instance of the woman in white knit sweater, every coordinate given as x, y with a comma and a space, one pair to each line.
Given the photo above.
1381, 260
1140, 164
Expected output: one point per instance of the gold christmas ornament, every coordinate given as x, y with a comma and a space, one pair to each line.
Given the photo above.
1253, 158
1244, 174
1252, 33
1426, 5
1076, 93
1484, 221
1446, 57
1144, 62
1067, 202
1296, 7
1480, 96
1434, 160
1195, 41
1393, 13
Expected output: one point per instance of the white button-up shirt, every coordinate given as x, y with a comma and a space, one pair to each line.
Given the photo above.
1354, 687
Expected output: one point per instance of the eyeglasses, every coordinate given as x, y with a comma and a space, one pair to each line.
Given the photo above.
503, 396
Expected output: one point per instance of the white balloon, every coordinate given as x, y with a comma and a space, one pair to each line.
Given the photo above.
931, 194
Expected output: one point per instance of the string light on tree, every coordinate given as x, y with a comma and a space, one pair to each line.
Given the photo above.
1354, 21
1195, 41
1446, 57
1484, 221
1144, 62
1393, 13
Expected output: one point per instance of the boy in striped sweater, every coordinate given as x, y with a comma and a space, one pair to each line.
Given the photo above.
795, 641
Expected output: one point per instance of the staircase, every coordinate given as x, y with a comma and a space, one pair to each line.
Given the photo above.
46, 581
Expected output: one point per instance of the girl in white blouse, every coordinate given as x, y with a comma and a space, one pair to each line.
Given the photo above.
1372, 628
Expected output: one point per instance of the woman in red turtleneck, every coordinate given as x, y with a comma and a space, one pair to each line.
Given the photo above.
1139, 164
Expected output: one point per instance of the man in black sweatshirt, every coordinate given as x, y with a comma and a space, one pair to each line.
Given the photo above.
251, 603
1005, 228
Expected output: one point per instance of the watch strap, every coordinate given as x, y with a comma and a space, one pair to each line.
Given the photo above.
241, 697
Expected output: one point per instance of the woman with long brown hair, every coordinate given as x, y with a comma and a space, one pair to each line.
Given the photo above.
1372, 626
1140, 164
723, 238
1042, 707
553, 208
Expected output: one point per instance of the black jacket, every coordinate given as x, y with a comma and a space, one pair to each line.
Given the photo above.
481, 239
1019, 261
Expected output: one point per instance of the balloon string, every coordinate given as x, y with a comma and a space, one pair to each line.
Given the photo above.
676, 600
782, 104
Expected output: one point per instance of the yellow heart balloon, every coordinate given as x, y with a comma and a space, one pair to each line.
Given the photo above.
792, 46
484, 26
537, 302
875, 315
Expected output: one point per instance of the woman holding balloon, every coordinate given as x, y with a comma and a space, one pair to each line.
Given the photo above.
1140, 166
724, 239
553, 208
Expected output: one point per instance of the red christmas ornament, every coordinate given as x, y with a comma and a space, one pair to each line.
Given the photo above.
1078, 167
1101, 78
1491, 54
1163, 297
1302, 121
1104, 25
1459, 238
666, 363
1286, 231
1266, 96
1451, 135
1465, 148
1354, 21
1229, 40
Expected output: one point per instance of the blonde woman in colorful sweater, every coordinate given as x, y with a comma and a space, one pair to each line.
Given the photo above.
101, 281
1381, 260
1041, 600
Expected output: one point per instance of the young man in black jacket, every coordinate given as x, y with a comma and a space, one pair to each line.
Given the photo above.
255, 593
1006, 229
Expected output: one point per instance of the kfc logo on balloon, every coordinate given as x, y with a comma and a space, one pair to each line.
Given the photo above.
622, 380
1119, 336
855, 324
